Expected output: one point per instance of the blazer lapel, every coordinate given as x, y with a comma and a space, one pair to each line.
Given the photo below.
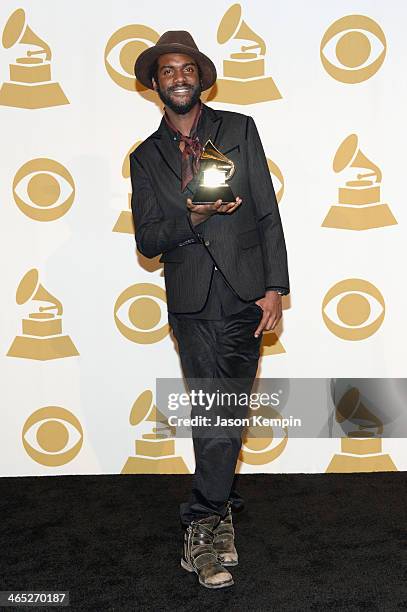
167, 150
169, 154
211, 124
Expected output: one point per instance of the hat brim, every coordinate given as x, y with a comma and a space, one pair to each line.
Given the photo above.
147, 58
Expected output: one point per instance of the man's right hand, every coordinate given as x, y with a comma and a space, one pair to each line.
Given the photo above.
201, 212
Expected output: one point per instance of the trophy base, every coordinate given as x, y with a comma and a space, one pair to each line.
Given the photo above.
42, 349
245, 91
348, 464
159, 465
21, 95
359, 218
124, 223
209, 195
271, 345
361, 455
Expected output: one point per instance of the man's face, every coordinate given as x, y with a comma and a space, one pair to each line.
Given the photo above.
178, 83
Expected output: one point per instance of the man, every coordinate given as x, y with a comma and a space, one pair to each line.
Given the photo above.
225, 269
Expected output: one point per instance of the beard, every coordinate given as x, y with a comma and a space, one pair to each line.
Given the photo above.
185, 107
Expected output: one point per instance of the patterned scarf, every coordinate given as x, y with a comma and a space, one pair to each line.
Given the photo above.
191, 155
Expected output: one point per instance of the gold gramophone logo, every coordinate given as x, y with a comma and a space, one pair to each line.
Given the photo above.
48, 431
144, 320
359, 206
244, 73
48, 187
155, 451
30, 84
124, 223
260, 444
42, 337
347, 45
353, 309
122, 50
361, 448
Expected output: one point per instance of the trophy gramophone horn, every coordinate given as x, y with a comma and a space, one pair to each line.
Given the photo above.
348, 154
14, 31
232, 26
210, 152
351, 408
30, 288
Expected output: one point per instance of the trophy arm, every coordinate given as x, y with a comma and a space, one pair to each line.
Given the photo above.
231, 171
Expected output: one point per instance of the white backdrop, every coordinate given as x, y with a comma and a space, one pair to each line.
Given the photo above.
89, 124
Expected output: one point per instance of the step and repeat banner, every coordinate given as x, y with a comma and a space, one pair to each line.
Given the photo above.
84, 330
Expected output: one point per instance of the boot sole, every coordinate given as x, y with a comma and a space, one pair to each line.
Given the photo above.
230, 564
189, 568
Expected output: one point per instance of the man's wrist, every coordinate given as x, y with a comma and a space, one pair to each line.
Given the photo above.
279, 290
193, 228
190, 220
195, 219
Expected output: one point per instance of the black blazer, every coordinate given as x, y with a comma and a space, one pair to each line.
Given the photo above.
247, 245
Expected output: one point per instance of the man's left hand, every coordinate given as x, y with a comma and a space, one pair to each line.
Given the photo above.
272, 311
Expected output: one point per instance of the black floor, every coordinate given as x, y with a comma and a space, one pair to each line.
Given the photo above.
306, 542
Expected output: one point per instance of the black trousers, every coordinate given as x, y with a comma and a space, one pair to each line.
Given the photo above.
217, 355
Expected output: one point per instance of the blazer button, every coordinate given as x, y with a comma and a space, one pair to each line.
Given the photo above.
207, 243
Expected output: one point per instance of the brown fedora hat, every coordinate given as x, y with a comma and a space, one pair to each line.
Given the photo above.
177, 41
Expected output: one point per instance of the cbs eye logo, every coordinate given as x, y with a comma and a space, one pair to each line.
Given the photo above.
47, 185
353, 309
48, 431
277, 178
122, 50
258, 448
347, 45
145, 314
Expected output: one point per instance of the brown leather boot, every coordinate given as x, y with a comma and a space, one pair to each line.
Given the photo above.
199, 555
224, 540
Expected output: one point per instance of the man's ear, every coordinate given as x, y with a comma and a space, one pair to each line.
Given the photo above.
154, 84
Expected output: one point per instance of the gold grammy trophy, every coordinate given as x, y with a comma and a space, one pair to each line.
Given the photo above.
359, 206
244, 79
41, 339
155, 452
361, 449
215, 169
30, 84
